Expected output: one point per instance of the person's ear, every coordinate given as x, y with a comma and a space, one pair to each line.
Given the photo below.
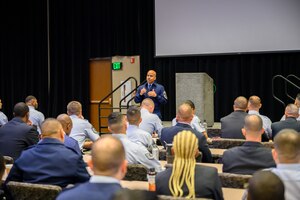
275, 155
244, 132
262, 131
109, 129
124, 167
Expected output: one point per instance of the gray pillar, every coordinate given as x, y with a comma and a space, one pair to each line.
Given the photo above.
197, 87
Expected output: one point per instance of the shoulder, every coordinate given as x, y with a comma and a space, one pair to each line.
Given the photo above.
72, 192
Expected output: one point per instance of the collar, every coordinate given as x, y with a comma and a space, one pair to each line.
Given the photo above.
253, 112
239, 111
18, 119
290, 119
74, 116
144, 110
50, 141
119, 135
103, 179
132, 126
31, 107
252, 144
294, 167
183, 124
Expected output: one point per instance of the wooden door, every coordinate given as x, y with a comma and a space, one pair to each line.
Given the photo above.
100, 86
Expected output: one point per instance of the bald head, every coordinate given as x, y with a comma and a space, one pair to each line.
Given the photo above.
52, 128
108, 156
148, 104
134, 115
287, 148
253, 128
291, 110
184, 113
254, 103
240, 103
66, 122
151, 76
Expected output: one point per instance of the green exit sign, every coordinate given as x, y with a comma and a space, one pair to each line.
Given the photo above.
117, 65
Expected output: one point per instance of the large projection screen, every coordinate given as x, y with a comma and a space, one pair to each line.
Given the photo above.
193, 27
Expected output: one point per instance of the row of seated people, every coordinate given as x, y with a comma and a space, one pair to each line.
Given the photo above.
232, 124
184, 178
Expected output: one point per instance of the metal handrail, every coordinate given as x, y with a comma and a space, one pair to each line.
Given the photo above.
286, 81
134, 90
103, 99
286, 92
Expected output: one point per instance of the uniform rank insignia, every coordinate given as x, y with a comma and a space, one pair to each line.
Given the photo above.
149, 156
165, 95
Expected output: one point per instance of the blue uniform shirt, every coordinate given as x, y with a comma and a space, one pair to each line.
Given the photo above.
161, 97
138, 154
150, 122
36, 117
3, 119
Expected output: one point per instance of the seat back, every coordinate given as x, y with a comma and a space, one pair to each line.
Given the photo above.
234, 180
22, 191
136, 172
164, 197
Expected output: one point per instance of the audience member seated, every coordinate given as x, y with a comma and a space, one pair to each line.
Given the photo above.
135, 153
67, 126
195, 123
134, 133
291, 113
252, 155
297, 103
50, 161
185, 178
82, 129
184, 117
254, 105
150, 122
3, 118
16, 135
232, 124
109, 166
286, 154
265, 185
35, 116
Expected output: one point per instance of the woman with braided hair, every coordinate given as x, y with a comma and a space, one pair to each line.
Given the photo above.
185, 178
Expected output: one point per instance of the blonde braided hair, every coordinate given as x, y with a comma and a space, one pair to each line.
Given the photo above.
185, 144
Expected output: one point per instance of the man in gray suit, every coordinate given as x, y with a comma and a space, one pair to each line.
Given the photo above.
252, 155
291, 114
232, 124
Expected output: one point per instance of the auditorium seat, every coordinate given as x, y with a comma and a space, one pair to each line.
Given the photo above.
23, 191
136, 172
229, 180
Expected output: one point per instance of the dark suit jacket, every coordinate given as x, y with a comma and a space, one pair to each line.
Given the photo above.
49, 162
289, 122
247, 159
91, 191
168, 133
232, 124
15, 136
207, 183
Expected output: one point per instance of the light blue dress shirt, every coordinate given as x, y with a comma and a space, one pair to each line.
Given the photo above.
137, 135
82, 130
138, 154
103, 179
290, 176
150, 122
3, 119
36, 117
266, 122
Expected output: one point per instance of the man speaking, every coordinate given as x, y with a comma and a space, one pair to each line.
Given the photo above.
152, 90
